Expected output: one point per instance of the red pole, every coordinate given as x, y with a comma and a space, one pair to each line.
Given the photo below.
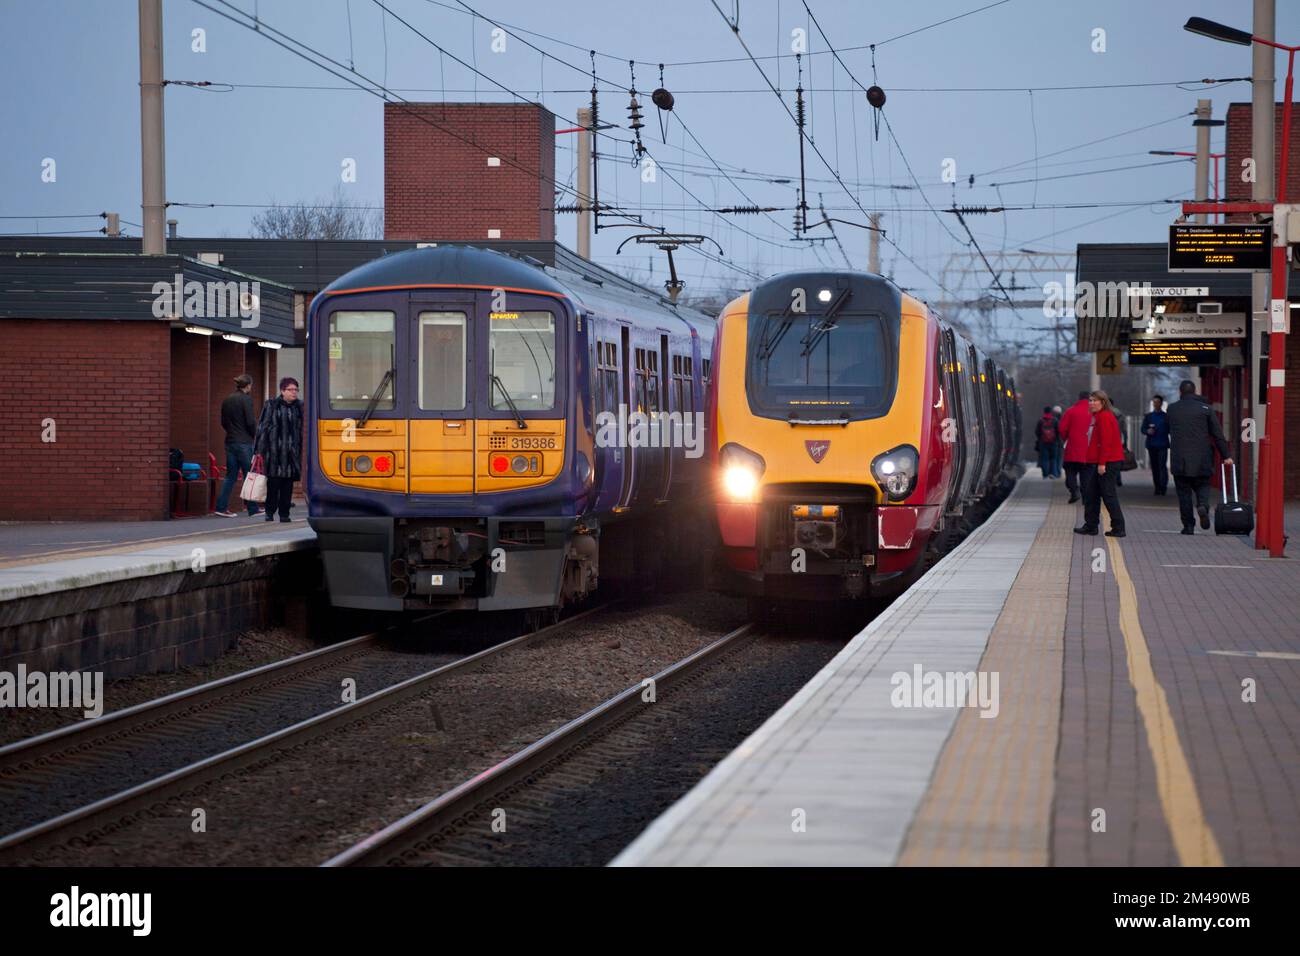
1275, 425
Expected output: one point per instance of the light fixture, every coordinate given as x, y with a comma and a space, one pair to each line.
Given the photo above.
269, 345
232, 337
824, 295
1217, 31
199, 330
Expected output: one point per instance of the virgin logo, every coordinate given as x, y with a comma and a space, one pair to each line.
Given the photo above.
817, 450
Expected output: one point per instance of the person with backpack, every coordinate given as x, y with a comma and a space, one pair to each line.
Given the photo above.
1046, 434
1155, 425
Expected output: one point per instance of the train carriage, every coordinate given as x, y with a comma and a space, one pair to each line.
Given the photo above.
472, 439
852, 430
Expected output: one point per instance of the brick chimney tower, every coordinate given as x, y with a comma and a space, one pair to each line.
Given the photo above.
469, 171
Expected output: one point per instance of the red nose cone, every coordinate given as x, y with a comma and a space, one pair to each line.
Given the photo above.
500, 464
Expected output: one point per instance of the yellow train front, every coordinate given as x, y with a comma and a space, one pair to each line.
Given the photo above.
853, 432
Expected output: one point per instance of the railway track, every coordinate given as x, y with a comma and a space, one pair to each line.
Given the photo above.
81, 742
555, 760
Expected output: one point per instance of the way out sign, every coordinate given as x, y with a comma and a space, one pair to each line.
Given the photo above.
1109, 362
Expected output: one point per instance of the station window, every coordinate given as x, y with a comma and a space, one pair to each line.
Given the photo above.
522, 360
360, 352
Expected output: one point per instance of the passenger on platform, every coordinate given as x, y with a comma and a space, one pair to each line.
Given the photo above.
1060, 443
1192, 426
240, 424
1073, 432
1105, 456
1045, 433
279, 448
1155, 425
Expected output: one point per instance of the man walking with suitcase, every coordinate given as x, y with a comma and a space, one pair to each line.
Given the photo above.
1192, 426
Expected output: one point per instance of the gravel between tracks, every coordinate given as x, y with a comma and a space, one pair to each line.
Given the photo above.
254, 649
309, 805
111, 767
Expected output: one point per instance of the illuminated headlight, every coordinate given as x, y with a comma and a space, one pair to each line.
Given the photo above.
741, 469
896, 471
824, 295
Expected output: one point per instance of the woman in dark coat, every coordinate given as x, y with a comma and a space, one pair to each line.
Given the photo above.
278, 448
1105, 457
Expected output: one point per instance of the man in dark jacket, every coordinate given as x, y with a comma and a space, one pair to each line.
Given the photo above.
279, 447
238, 421
1047, 438
1155, 425
1192, 426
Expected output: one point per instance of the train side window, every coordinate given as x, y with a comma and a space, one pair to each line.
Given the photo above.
652, 382
707, 375
361, 348
442, 361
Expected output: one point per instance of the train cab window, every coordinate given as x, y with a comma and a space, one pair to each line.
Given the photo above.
360, 354
810, 367
522, 360
442, 361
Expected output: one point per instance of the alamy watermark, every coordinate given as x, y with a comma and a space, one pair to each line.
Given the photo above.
80, 689
628, 429
208, 300
946, 689
1117, 300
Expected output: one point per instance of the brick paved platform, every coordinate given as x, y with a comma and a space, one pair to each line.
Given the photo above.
1147, 712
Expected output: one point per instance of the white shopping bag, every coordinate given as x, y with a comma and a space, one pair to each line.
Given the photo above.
254, 484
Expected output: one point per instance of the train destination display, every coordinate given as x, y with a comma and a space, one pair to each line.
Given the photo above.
1173, 352
1234, 247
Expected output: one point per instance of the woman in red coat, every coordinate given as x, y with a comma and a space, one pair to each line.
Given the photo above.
1105, 456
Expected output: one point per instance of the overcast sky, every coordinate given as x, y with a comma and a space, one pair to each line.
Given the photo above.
71, 70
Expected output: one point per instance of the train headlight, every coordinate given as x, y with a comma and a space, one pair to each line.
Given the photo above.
741, 469
896, 471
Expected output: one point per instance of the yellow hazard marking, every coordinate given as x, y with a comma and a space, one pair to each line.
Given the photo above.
1193, 839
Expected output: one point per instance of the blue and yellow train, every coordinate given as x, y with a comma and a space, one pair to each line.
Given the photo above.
468, 431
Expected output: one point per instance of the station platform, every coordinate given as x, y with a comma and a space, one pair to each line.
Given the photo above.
1140, 706
40, 558
141, 597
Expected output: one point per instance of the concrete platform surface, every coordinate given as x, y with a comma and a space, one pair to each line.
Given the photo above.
119, 553
1135, 702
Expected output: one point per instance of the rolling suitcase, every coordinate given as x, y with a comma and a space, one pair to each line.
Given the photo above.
1233, 517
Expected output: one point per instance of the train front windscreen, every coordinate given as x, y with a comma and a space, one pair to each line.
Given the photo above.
810, 367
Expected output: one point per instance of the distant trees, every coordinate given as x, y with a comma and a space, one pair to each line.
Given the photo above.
334, 218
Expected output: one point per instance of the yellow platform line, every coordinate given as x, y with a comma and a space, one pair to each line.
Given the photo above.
1193, 839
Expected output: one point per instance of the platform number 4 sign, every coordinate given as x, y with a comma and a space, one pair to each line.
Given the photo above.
1109, 362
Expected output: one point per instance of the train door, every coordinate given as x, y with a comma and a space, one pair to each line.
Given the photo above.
629, 454
440, 367
666, 450
953, 410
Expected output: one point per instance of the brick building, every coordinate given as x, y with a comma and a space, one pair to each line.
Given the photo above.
99, 386
469, 171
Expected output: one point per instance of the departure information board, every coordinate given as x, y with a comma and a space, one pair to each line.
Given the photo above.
1173, 352
1234, 247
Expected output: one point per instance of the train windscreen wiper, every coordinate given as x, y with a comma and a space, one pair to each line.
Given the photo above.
378, 393
825, 326
496, 380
